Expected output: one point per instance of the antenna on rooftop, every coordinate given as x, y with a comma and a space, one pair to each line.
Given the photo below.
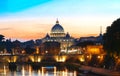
100, 29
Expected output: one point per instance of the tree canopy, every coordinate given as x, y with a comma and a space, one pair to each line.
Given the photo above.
1, 37
2, 44
29, 50
112, 38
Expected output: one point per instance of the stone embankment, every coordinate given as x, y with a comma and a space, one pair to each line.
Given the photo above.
100, 71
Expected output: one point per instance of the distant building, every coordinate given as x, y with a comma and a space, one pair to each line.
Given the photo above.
96, 40
95, 49
51, 48
38, 42
57, 34
91, 38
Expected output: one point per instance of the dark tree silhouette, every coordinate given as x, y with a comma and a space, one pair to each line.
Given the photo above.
112, 44
2, 43
29, 50
109, 62
8, 45
1, 38
112, 38
2, 46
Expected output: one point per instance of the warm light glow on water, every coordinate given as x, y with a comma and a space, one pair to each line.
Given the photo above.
42, 71
55, 71
4, 70
23, 71
26, 70
30, 70
39, 72
75, 73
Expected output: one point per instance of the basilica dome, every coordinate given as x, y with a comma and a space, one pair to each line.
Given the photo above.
57, 28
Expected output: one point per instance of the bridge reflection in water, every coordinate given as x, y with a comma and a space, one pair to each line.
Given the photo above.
26, 70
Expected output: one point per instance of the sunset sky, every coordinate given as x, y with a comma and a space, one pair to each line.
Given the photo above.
32, 19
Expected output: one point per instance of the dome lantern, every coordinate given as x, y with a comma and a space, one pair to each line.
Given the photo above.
57, 22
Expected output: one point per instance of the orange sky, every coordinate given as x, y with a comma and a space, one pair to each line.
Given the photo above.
37, 28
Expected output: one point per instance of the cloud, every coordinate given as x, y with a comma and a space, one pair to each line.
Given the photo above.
4, 29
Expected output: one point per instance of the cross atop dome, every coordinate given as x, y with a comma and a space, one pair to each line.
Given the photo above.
57, 22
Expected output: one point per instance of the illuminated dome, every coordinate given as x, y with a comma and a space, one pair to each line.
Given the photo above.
57, 28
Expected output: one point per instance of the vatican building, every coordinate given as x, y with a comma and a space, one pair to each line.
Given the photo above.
57, 34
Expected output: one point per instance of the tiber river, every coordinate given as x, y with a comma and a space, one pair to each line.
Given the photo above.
26, 70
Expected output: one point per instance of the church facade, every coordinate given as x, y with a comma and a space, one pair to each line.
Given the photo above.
57, 34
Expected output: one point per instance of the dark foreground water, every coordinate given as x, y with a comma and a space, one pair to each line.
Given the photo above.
26, 70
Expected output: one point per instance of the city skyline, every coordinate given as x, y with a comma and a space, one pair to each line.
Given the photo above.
28, 19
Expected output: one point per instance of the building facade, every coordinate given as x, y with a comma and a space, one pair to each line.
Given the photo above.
57, 34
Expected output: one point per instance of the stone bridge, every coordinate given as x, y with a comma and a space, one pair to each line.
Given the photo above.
42, 58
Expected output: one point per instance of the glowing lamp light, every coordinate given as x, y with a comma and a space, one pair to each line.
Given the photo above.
88, 56
23, 51
82, 59
32, 58
8, 60
60, 58
37, 50
119, 60
98, 57
39, 59
15, 58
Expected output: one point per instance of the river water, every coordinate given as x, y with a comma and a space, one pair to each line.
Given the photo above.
26, 70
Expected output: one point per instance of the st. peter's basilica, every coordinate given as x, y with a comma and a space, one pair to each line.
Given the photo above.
58, 34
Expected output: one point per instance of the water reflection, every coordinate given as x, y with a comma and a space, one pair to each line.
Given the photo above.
4, 70
30, 70
23, 71
26, 70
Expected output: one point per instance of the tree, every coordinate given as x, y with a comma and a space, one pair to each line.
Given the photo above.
111, 43
9, 45
112, 38
29, 50
2, 44
1, 38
